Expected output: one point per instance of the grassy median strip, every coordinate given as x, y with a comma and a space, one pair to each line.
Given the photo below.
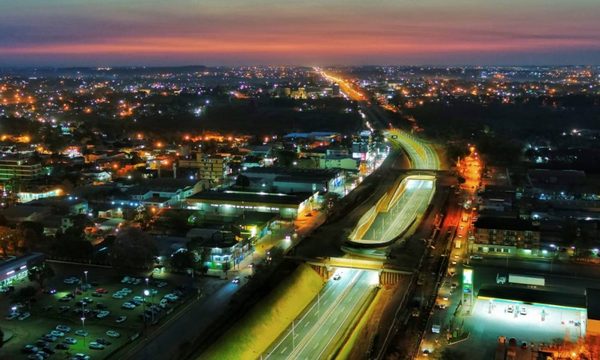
253, 334
346, 349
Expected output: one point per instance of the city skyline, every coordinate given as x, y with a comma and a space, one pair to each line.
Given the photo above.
184, 32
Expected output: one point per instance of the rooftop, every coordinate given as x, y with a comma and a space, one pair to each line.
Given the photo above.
534, 296
251, 197
500, 223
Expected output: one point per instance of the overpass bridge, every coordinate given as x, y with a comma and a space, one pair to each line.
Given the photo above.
325, 267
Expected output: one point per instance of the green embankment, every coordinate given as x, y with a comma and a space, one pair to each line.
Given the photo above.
253, 334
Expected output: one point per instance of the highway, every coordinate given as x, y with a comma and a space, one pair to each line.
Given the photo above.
389, 225
317, 330
420, 153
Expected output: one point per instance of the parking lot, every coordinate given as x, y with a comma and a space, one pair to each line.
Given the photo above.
94, 318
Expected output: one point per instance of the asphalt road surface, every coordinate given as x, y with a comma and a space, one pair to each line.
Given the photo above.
413, 202
317, 330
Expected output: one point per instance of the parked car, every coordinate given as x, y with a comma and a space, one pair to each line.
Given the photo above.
70, 341
62, 346
103, 341
63, 328
96, 346
24, 316
81, 332
112, 333
121, 319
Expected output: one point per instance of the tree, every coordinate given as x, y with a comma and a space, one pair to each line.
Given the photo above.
182, 260
133, 250
40, 274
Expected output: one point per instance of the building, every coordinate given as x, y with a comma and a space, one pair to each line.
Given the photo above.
17, 269
161, 192
505, 236
293, 180
210, 167
233, 203
19, 168
40, 192
224, 252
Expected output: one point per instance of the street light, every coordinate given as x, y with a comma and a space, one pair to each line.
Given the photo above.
83, 328
85, 272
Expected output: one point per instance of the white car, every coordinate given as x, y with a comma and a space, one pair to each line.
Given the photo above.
24, 316
112, 333
128, 306
102, 314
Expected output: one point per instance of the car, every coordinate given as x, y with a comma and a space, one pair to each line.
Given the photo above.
49, 338
95, 294
117, 296
36, 356
80, 356
121, 319
441, 306
24, 316
103, 341
29, 349
12, 316
65, 298
337, 276
476, 257
101, 291
102, 314
71, 280
70, 341
523, 311
235, 280
96, 346
445, 298
63, 328
453, 286
50, 291
138, 298
112, 333
48, 350
510, 309
415, 312
87, 300
126, 291
161, 284
81, 332
128, 306
41, 343
62, 346
57, 333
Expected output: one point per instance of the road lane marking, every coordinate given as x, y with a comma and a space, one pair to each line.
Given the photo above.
284, 349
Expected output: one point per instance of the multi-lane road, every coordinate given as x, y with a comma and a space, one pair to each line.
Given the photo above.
421, 154
316, 332
412, 203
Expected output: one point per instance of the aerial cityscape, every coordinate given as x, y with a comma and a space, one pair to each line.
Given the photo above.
347, 180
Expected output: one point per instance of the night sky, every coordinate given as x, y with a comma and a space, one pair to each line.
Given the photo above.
302, 32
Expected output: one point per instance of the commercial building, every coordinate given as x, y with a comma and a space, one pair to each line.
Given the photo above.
230, 203
505, 236
19, 168
163, 192
286, 180
210, 167
16, 269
